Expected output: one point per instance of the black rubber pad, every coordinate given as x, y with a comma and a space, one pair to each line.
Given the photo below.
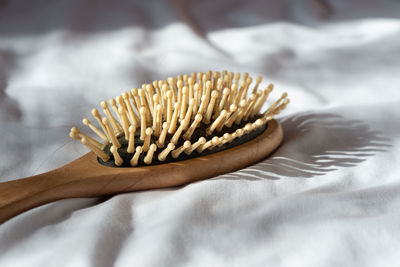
199, 132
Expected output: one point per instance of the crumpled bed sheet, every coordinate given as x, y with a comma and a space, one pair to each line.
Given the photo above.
329, 196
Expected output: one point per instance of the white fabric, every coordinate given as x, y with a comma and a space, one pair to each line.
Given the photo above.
330, 196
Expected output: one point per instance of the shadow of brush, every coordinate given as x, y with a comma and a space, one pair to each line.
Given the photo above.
315, 144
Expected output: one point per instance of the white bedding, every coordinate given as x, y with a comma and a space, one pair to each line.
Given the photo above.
330, 195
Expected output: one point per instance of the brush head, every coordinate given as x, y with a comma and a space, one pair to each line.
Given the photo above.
180, 118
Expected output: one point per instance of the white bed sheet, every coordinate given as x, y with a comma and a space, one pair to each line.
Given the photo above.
330, 196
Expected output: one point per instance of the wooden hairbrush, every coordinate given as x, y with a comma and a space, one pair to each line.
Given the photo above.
167, 133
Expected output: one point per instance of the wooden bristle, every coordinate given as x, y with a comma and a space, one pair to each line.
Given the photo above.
210, 108
117, 158
95, 130
131, 144
149, 157
194, 146
178, 132
163, 155
113, 105
226, 138
196, 97
240, 111
164, 91
135, 158
115, 125
97, 116
161, 139
100, 153
111, 133
252, 100
247, 128
179, 150
275, 104
172, 86
149, 97
214, 142
132, 116
192, 127
82, 135
135, 96
174, 119
258, 81
221, 104
204, 146
184, 103
169, 106
158, 120
217, 122
143, 103
124, 121
143, 123
147, 139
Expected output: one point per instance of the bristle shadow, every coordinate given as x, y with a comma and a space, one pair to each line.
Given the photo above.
333, 142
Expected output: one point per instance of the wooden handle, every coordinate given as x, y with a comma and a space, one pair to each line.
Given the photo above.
85, 177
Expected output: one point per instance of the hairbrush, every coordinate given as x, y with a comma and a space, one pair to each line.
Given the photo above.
166, 133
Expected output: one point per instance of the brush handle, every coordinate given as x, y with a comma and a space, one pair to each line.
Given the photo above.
85, 177
20, 195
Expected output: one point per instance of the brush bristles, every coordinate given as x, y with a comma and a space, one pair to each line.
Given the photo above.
190, 113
